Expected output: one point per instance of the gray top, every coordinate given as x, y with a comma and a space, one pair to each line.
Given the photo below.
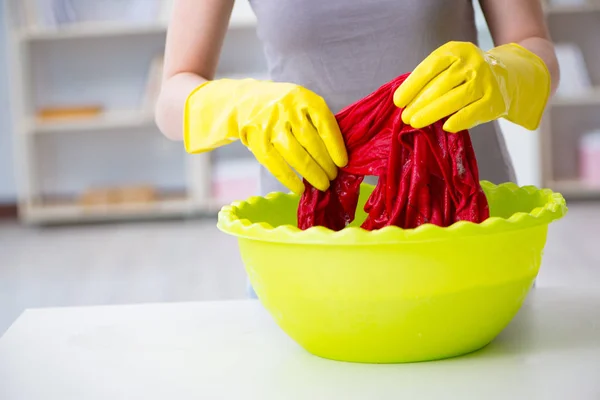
345, 49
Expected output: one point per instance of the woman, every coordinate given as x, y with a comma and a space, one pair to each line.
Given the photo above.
326, 54
341, 50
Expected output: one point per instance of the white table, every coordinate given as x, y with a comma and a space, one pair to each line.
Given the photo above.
232, 350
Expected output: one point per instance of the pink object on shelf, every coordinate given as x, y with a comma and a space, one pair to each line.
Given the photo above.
234, 189
589, 159
235, 180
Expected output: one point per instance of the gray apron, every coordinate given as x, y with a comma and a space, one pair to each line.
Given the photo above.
345, 49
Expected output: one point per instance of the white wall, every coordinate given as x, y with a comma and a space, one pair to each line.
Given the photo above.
7, 181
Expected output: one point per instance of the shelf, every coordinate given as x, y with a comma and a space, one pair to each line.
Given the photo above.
239, 19
111, 120
92, 30
29, 48
572, 9
574, 189
72, 212
588, 98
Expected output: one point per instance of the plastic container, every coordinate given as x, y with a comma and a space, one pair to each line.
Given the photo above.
589, 159
394, 295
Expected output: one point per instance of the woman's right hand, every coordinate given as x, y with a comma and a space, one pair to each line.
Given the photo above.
286, 127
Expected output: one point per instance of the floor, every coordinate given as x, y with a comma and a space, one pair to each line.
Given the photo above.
192, 260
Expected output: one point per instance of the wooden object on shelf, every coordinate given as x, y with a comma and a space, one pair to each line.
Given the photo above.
73, 212
66, 113
105, 121
97, 197
118, 195
137, 194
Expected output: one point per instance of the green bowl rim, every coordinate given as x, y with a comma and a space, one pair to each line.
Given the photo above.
230, 223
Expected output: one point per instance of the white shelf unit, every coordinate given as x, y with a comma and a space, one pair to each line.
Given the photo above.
568, 117
57, 160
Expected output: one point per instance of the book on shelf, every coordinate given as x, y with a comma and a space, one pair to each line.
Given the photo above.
105, 196
66, 113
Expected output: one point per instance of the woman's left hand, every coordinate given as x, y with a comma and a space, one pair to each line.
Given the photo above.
473, 87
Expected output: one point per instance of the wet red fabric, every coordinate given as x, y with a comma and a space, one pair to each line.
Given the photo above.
425, 175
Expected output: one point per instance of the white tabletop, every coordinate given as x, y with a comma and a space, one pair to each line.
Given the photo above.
233, 350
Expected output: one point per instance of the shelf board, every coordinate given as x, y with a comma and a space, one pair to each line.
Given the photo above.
591, 97
575, 189
69, 212
92, 30
572, 8
82, 30
110, 120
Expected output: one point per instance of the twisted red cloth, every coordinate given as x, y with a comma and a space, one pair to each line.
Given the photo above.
425, 175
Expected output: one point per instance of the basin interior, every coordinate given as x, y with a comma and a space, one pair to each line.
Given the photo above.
503, 204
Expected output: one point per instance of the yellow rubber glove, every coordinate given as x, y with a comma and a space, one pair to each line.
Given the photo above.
284, 125
472, 87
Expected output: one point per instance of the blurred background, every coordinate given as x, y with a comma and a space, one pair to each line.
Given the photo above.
97, 207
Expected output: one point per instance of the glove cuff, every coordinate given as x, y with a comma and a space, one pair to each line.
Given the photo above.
527, 80
208, 121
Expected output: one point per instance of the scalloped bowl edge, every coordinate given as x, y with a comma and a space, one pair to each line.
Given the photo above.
230, 222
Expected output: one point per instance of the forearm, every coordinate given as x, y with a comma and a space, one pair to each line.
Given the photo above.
171, 102
544, 49
193, 45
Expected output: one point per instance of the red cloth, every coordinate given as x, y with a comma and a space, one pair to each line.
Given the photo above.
425, 175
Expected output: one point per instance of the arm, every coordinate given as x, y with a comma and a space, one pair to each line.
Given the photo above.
194, 40
285, 126
522, 22
469, 86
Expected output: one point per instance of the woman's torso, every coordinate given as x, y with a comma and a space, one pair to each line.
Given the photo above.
345, 49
